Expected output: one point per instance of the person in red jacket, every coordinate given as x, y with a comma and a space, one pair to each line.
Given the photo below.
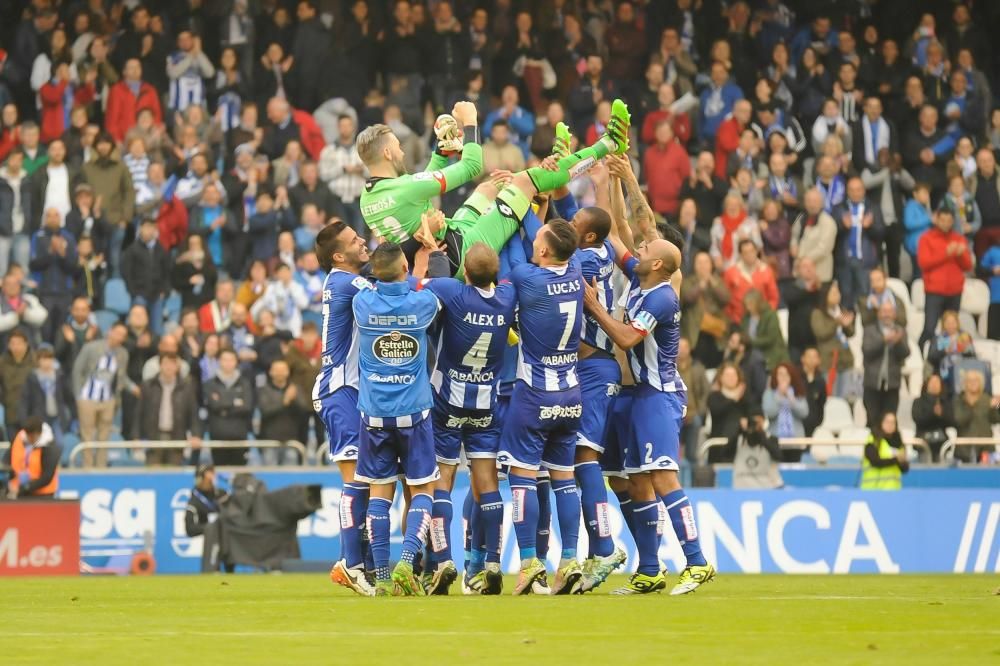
666, 165
127, 98
746, 274
58, 98
679, 121
728, 138
944, 259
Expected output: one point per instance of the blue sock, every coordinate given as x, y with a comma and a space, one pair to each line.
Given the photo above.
682, 517
467, 522
378, 532
418, 520
544, 518
491, 519
353, 506
568, 508
594, 503
478, 539
525, 513
440, 530
625, 504
646, 517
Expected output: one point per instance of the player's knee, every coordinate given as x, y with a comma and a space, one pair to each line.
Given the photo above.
665, 481
585, 454
640, 488
523, 182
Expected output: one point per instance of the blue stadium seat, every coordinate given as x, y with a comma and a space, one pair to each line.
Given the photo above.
116, 296
105, 319
172, 307
69, 440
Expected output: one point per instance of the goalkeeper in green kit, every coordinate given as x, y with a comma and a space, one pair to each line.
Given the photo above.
393, 201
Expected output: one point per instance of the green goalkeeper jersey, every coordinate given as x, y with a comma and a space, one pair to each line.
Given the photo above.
392, 206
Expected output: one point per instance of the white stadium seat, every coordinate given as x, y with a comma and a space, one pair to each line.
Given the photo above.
783, 323
901, 292
917, 294
837, 415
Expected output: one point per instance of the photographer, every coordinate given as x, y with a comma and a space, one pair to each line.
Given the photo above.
33, 459
757, 454
203, 504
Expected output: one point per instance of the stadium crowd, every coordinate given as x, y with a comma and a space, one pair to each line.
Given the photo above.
167, 167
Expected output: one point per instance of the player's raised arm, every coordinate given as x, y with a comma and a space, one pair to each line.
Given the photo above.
470, 165
641, 212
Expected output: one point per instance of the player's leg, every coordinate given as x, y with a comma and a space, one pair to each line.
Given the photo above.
613, 458
443, 567
645, 523
668, 489
416, 454
378, 466
558, 458
521, 446
481, 447
543, 531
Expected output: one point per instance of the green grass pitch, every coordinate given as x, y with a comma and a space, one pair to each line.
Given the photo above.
305, 619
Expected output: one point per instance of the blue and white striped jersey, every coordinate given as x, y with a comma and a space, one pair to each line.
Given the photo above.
392, 320
188, 89
599, 263
340, 334
472, 341
550, 315
100, 385
656, 314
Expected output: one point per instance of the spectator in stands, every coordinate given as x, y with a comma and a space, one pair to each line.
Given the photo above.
86, 220
717, 101
917, 220
696, 239
885, 348
273, 215
46, 394
879, 293
975, 414
776, 236
52, 186
35, 154
815, 384
884, 460
79, 328
193, 275
15, 212
760, 325
667, 167
679, 121
190, 338
943, 256
113, 186
127, 99
311, 190
54, 267
727, 404
859, 240
188, 67
146, 269
228, 396
728, 139
520, 121
282, 408
141, 343
239, 336
799, 296
594, 87
16, 364
342, 170
311, 56
750, 362
932, 414
543, 136
304, 358
989, 267
169, 344
286, 299
926, 149
832, 325
756, 453
749, 272
281, 128
706, 189
786, 405
730, 229
216, 224
499, 152
168, 411
99, 378
704, 296
985, 186
964, 208
692, 372
814, 236
948, 348
213, 317
783, 186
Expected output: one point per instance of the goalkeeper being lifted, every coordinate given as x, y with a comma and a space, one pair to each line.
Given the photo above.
393, 201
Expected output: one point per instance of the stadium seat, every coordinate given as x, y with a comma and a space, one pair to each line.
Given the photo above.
904, 414
105, 320
821, 454
116, 296
976, 301
836, 415
900, 291
172, 307
860, 414
783, 323
967, 323
914, 328
917, 294
852, 452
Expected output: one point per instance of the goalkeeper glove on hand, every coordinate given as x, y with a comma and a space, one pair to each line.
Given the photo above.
449, 135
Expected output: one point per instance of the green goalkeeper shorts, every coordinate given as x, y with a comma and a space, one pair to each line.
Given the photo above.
479, 220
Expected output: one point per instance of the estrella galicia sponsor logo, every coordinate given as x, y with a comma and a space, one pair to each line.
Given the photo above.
395, 348
560, 412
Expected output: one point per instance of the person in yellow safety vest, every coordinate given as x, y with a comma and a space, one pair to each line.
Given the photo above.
33, 459
884, 462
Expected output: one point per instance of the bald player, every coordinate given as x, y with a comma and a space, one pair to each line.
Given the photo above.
475, 320
650, 335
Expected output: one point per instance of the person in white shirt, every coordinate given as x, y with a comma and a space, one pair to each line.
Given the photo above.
342, 169
53, 184
286, 299
188, 67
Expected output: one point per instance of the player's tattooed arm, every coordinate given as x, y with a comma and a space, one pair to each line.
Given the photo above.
621, 233
641, 212
623, 335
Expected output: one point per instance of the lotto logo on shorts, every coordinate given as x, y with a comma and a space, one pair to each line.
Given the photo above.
560, 412
603, 520
439, 540
613, 390
690, 529
517, 505
346, 518
317, 405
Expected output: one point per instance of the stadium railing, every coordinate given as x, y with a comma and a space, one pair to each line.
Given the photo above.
298, 447
800, 442
948, 450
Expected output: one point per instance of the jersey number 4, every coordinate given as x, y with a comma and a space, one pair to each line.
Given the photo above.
475, 358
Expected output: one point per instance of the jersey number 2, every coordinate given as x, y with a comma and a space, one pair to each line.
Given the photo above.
569, 309
475, 358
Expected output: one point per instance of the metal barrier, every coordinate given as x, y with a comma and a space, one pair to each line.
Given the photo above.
299, 447
948, 450
799, 442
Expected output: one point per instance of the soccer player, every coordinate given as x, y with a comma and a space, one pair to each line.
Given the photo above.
475, 321
395, 401
650, 337
545, 407
393, 201
342, 253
